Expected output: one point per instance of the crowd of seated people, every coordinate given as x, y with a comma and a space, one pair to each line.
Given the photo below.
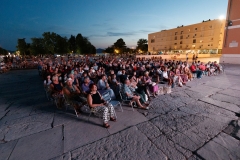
9, 62
82, 79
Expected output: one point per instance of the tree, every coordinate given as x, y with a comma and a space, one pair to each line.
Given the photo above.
61, 44
27, 52
49, 41
120, 45
37, 46
3, 51
22, 46
54, 43
142, 45
84, 46
72, 44
109, 50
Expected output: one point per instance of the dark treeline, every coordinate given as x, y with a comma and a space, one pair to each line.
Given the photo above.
120, 47
3, 51
51, 43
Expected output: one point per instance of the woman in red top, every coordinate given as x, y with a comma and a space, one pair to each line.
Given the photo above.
193, 68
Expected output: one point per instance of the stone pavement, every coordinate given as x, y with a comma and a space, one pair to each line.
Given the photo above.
197, 121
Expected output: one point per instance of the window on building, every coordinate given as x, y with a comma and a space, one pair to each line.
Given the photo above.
175, 37
194, 40
152, 40
195, 29
175, 43
180, 42
181, 32
181, 37
175, 33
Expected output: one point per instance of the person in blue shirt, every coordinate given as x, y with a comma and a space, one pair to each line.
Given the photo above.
103, 86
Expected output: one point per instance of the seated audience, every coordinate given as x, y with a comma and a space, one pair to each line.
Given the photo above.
73, 94
128, 94
103, 86
96, 103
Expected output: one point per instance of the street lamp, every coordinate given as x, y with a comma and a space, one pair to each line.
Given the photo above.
117, 51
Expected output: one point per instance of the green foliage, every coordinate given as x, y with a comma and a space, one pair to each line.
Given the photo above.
72, 44
120, 45
83, 46
52, 43
37, 46
109, 50
142, 44
22, 46
3, 51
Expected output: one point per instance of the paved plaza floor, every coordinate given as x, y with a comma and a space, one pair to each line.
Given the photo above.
197, 121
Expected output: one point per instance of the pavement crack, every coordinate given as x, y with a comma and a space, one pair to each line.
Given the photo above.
232, 129
153, 143
53, 120
12, 150
216, 106
9, 106
4, 115
63, 132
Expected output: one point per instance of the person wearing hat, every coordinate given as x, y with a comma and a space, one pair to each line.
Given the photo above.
73, 94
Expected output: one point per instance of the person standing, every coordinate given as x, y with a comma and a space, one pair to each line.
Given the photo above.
187, 57
193, 58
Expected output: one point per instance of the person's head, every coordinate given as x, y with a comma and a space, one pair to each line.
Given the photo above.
113, 76
130, 78
165, 68
84, 74
93, 87
69, 82
55, 78
71, 76
48, 77
134, 73
127, 82
123, 71
103, 77
112, 72
146, 73
86, 80
75, 72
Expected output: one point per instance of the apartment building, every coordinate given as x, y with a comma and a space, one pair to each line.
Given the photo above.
205, 37
231, 42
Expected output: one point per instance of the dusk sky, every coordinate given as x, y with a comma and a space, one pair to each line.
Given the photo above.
102, 21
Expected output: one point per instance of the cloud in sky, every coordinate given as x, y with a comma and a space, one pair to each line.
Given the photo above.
103, 21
